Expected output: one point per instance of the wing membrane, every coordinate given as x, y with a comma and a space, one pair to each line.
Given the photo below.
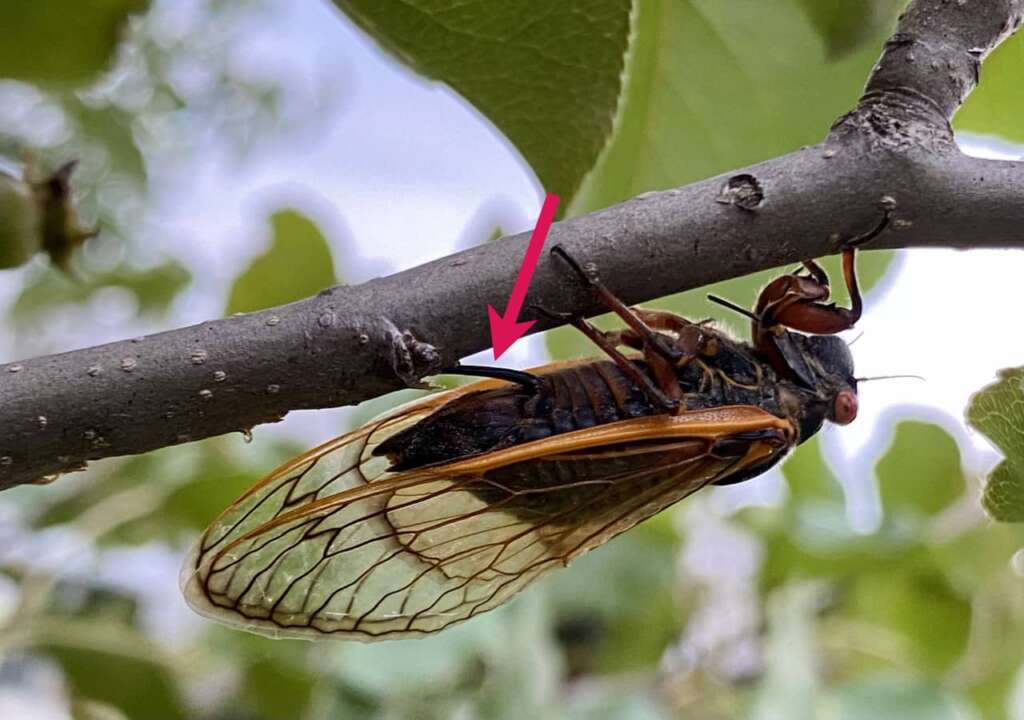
335, 544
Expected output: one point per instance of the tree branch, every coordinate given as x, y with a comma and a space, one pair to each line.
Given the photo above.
349, 344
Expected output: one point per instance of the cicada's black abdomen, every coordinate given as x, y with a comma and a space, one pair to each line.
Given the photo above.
571, 399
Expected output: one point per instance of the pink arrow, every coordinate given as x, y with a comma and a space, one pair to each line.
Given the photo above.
505, 330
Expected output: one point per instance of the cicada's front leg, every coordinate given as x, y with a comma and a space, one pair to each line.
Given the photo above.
798, 302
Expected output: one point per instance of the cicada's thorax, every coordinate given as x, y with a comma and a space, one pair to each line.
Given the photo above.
575, 398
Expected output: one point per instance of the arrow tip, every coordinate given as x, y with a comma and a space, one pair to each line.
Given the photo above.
505, 331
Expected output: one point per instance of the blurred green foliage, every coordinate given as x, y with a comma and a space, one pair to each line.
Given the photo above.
296, 265
61, 41
152, 289
19, 231
777, 610
995, 107
844, 25
137, 686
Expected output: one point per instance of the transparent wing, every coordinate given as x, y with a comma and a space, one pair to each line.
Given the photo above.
334, 544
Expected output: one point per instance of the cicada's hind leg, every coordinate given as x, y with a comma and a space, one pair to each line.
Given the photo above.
662, 353
665, 395
588, 279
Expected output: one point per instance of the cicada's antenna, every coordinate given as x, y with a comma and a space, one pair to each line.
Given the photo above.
859, 336
734, 307
891, 377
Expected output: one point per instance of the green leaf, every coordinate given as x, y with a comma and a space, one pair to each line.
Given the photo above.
715, 86
500, 665
278, 688
187, 487
61, 41
218, 478
996, 105
814, 539
84, 709
297, 264
153, 289
67, 509
997, 411
1004, 493
844, 25
810, 536
920, 474
548, 75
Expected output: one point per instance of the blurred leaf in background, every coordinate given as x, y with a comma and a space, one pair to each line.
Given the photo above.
152, 290
845, 25
143, 109
296, 265
995, 106
596, 601
19, 231
61, 41
139, 686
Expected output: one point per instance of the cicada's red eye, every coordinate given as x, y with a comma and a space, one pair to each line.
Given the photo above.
844, 411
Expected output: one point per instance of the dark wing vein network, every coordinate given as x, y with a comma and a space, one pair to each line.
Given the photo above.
335, 544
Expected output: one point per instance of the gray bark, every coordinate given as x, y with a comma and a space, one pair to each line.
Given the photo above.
349, 344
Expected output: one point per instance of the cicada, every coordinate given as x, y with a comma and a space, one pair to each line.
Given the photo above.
447, 507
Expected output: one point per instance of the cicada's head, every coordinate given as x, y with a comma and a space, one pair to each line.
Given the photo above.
822, 384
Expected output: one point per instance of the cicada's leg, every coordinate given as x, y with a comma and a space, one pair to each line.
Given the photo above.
798, 302
816, 271
655, 340
691, 338
664, 394
663, 319
693, 342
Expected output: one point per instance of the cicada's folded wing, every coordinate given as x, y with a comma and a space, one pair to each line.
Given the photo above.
334, 544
